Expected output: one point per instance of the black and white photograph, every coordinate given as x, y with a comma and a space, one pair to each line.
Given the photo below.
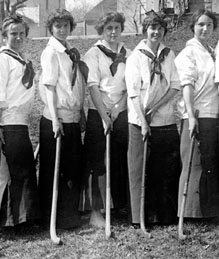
109, 129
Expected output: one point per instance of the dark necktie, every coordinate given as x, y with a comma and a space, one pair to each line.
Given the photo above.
156, 62
116, 57
29, 73
74, 55
211, 52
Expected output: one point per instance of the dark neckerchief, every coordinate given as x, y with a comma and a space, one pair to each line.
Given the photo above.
211, 52
116, 57
29, 73
74, 55
156, 61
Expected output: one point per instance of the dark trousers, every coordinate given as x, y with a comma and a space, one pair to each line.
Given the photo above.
95, 147
70, 170
20, 201
163, 170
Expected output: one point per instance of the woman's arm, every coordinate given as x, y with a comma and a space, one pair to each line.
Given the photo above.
52, 104
134, 79
145, 129
4, 78
92, 59
189, 102
168, 96
98, 103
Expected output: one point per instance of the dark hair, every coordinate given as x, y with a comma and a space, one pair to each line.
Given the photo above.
109, 17
198, 14
13, 19
154, 18
60, 14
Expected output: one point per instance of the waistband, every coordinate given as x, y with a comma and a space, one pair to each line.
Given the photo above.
67, 116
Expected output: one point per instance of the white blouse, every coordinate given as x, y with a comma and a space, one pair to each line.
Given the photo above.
138, 76
57, 71
196, 67
15, 99
112, 88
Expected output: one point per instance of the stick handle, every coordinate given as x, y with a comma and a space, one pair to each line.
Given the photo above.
36, 152
53, 235
107, 227
142, 202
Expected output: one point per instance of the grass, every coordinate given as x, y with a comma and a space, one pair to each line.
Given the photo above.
126, 242
88, 242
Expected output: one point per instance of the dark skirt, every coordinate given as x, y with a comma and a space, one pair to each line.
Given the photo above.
70, 170
162, 173
95, 147
20, 201
203, 190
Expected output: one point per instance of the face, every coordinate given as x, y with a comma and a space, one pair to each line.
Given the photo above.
61, 29
112, 32
155, 33
16, 35
203, 28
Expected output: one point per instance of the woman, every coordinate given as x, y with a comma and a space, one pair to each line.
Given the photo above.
62, 91
107, 112
20, 198
152, 82
196, 68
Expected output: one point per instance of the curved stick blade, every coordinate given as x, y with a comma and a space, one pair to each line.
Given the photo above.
181, 236
55, 239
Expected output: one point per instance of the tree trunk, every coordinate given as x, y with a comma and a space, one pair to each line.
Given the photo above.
2, 11
208, 4
136, 26
2, 16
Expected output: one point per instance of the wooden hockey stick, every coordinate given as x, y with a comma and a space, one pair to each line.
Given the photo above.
181, 235
53, 235
36, 152
107, 226
142, 205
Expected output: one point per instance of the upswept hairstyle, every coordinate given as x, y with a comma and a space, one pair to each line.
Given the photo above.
107, 18
196, 15
153, 18
13, 19
60, 14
